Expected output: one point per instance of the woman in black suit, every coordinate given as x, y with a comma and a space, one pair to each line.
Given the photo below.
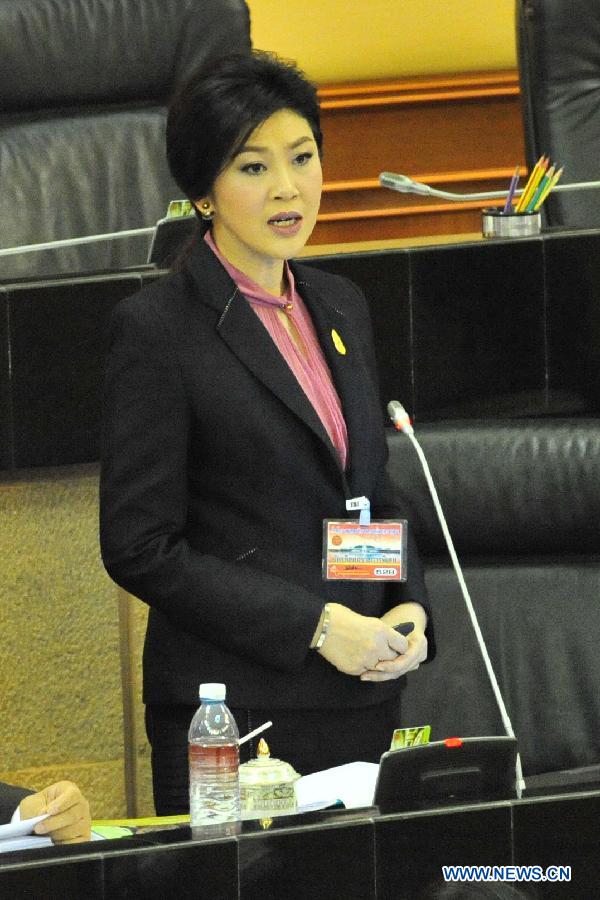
241, 410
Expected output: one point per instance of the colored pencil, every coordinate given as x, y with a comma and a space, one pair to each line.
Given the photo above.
511, 191
548, 188
544, 182
536, 174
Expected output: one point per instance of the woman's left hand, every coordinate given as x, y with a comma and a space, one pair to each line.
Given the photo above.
388, 670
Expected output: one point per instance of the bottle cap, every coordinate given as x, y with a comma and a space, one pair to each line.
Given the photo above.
212, 691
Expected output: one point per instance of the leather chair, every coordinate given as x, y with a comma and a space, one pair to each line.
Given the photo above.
558, 53
84, 86
522, 502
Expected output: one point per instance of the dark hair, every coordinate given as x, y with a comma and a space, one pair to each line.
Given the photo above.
220, 106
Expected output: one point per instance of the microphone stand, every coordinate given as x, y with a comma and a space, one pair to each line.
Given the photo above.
406, 185
401, 421
75, 242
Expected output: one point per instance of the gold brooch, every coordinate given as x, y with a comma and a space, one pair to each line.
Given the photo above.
338, 342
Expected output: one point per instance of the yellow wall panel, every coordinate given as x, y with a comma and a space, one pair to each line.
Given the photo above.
61, 702
359, 40
102, 783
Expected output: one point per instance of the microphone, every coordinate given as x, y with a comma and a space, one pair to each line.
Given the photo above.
399, 417
406, 185
402, 422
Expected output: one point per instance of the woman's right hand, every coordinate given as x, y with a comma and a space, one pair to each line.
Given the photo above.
355, 643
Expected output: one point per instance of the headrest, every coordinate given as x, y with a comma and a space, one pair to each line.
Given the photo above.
558, 51
564, 42
519, 487
57, 53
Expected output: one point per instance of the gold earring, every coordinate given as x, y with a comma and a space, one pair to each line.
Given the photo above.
205, 211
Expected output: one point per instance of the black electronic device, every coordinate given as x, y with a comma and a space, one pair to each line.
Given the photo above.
446, 773
169, 238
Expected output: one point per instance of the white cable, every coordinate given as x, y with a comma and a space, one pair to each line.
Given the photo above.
73, 242
401, 420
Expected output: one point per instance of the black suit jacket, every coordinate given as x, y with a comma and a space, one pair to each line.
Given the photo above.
10, 797
216, 477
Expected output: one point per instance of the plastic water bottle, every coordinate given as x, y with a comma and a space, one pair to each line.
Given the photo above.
214, 758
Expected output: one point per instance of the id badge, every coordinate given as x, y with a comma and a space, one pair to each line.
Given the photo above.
358, 552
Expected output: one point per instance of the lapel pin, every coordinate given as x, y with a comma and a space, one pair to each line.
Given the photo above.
338, 342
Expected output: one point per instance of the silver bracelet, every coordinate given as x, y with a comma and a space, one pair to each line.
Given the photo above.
324, 627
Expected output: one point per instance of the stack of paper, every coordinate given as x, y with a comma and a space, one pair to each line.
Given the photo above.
352, 784
20, 836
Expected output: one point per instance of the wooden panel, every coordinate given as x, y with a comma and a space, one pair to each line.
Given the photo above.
459, 133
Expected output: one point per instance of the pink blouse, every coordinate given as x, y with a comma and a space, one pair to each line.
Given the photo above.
310, 366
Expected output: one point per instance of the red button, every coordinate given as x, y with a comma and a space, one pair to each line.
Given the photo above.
453, 742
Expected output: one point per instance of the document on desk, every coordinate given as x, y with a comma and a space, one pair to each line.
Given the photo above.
353, 784
20, 836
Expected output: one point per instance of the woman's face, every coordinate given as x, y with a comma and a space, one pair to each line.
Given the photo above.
266, 199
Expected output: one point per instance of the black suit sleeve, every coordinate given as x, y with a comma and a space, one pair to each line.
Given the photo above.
10, 797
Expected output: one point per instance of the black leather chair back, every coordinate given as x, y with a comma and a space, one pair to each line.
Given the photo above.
84, 86
522, 502
558, 51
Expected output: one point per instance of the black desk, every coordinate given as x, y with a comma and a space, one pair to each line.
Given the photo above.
335, 855
471, 329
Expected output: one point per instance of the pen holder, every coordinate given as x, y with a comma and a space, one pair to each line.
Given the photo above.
496, 224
